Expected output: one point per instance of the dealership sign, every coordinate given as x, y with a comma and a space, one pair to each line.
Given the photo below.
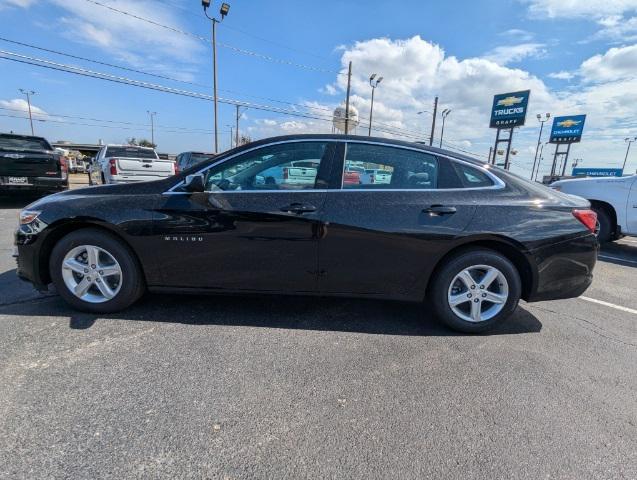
598, 172
509, 109
567, 129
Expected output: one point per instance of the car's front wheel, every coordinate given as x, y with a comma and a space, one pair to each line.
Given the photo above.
475, 290
94, 271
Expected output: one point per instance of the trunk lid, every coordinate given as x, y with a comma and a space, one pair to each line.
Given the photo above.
28, 163
144, 166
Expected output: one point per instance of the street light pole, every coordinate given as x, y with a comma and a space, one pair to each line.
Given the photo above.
444, 115
152, 126
28, 93
372, 84
420, 113
225, 8
539, 139
629, 141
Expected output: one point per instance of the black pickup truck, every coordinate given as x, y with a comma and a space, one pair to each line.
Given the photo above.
30, 164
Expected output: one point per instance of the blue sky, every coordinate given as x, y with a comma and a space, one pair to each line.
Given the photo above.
577, 56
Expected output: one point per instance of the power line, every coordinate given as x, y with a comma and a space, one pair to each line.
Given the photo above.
242, 51
151, 86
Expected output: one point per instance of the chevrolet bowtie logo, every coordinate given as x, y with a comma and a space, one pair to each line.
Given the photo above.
568, 123
509, 101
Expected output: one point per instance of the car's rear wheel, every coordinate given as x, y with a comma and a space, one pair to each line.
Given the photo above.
94, 271
475, 290
604, 226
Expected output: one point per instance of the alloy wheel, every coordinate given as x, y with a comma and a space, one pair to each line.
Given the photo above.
92, 274
478, 293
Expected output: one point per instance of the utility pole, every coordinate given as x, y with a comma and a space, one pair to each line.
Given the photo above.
152, 126
433, 122
539, 162
225, 8
444, 115
371, 109
629, 141
349, 87
236, 131
231, 135
28, 93
539, 139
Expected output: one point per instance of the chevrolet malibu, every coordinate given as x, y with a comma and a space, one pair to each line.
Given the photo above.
464, 239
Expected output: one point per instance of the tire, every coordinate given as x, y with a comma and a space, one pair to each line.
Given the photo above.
604, 225
123, 288
448, 286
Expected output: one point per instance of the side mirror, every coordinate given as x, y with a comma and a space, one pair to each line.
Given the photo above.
194, 183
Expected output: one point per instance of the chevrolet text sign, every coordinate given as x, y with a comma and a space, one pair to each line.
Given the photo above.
509, 109
567, 129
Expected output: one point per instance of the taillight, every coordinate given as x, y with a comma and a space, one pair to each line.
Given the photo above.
176, 168
64, 166
285, 174
587, 217
113, 164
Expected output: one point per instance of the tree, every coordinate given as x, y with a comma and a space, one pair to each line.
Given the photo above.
245, 139
142, 142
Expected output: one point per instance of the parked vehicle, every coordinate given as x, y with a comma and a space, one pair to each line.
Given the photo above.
186, 160
130, 163
352, 175
377, 176
468, 238
30, 163
614, 199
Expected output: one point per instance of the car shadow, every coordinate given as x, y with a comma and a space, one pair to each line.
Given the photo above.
285, 312
619, 253
18, 200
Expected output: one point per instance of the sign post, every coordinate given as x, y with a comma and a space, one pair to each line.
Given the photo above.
508, 112
566, 130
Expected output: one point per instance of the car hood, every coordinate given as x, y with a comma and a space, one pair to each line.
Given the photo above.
139, 188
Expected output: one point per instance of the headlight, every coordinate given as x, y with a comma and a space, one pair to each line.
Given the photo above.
28, 216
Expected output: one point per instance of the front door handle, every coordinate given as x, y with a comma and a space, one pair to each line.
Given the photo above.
436, 210
299, 208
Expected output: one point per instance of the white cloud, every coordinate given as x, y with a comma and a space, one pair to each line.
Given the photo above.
518, 34
562, 75
616, 63
580, 8
18, 105
16, 3
506, 54
126, 38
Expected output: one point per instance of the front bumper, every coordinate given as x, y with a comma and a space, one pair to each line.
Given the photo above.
565, 269
28, 245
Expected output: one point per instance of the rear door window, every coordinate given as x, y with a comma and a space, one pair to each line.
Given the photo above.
130, 152
8, 142
370, 167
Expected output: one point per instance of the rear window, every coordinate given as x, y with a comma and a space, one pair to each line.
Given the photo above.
130, 152
472, 177
23, 143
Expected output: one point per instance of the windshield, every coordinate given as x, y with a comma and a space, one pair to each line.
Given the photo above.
8, 142
130, 152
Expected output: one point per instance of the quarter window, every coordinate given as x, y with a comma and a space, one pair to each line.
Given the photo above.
371, 167
472, 177
288, 166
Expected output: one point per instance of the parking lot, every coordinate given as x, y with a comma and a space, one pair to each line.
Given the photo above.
272, 387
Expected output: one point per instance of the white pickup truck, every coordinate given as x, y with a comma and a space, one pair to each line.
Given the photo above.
613, 198
130, 163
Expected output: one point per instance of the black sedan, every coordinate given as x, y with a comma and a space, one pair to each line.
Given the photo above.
318, 215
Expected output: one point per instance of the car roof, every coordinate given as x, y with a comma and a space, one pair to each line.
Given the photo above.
18, 135
359, 138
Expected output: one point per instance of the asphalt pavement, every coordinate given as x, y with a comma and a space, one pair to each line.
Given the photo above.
279, 387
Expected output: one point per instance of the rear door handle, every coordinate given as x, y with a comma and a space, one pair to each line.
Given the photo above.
436, 210
299, 208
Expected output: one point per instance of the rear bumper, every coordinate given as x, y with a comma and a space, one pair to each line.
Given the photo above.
565, 269
35, 184
115, 179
